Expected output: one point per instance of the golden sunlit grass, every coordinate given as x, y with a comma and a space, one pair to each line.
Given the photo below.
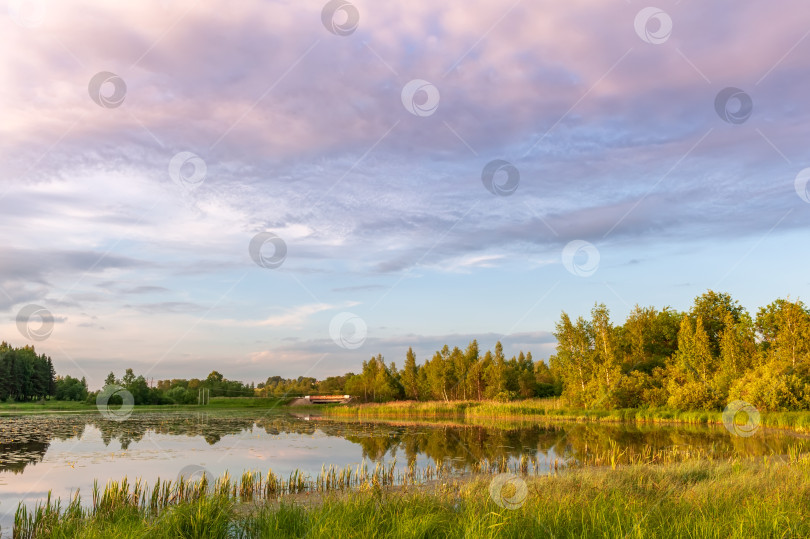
554, 409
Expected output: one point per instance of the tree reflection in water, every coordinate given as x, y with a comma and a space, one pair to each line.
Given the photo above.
25, 440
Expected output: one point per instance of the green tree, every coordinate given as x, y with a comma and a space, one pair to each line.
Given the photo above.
738, 352
71, 389
712, 307
546, 385
572, 360
691, 373
128, 378
471, 372
784, 327
526, 377
410, 376
436, 377
605, 355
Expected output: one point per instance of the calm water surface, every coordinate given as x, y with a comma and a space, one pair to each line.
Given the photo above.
65, 452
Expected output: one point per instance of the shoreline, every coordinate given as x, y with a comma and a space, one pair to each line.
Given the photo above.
481, 413
473, 412
48, 407
543, 410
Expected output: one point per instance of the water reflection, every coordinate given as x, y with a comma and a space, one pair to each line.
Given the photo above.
25, 440
463, 445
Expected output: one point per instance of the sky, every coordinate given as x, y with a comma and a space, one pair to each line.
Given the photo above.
290, 187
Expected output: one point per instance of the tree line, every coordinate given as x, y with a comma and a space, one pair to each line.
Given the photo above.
24, 375
698, 359
177, 390
28, 376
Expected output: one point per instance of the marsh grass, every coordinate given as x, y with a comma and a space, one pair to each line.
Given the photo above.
124, 500
691, 498
553, 409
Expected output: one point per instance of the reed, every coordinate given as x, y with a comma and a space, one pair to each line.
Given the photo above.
552, 409
694, 497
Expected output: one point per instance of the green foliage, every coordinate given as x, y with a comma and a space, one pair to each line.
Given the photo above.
712, 308
410, 376
768, 389
634, 390
691, 371
181, 391
70, 389
699, 360
24, 375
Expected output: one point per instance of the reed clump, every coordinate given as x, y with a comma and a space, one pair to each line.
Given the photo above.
691, 497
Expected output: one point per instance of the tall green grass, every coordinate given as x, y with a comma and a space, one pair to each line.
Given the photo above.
695, 498
122, 499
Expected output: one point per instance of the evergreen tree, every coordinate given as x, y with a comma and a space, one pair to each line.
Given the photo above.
410, 376
52, 379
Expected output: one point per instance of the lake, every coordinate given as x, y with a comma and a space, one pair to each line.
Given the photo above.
65, 452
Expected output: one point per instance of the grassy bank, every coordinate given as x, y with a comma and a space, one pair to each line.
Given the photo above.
688, 499
218, 403
44, 406
554, 410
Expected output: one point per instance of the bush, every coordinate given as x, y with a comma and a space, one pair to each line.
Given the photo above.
771, 391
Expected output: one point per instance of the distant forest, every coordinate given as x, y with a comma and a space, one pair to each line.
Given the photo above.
695, 360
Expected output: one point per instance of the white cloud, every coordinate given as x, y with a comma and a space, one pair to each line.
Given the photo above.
296, 316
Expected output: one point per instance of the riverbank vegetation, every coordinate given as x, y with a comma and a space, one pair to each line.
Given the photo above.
474, 412
689, 498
